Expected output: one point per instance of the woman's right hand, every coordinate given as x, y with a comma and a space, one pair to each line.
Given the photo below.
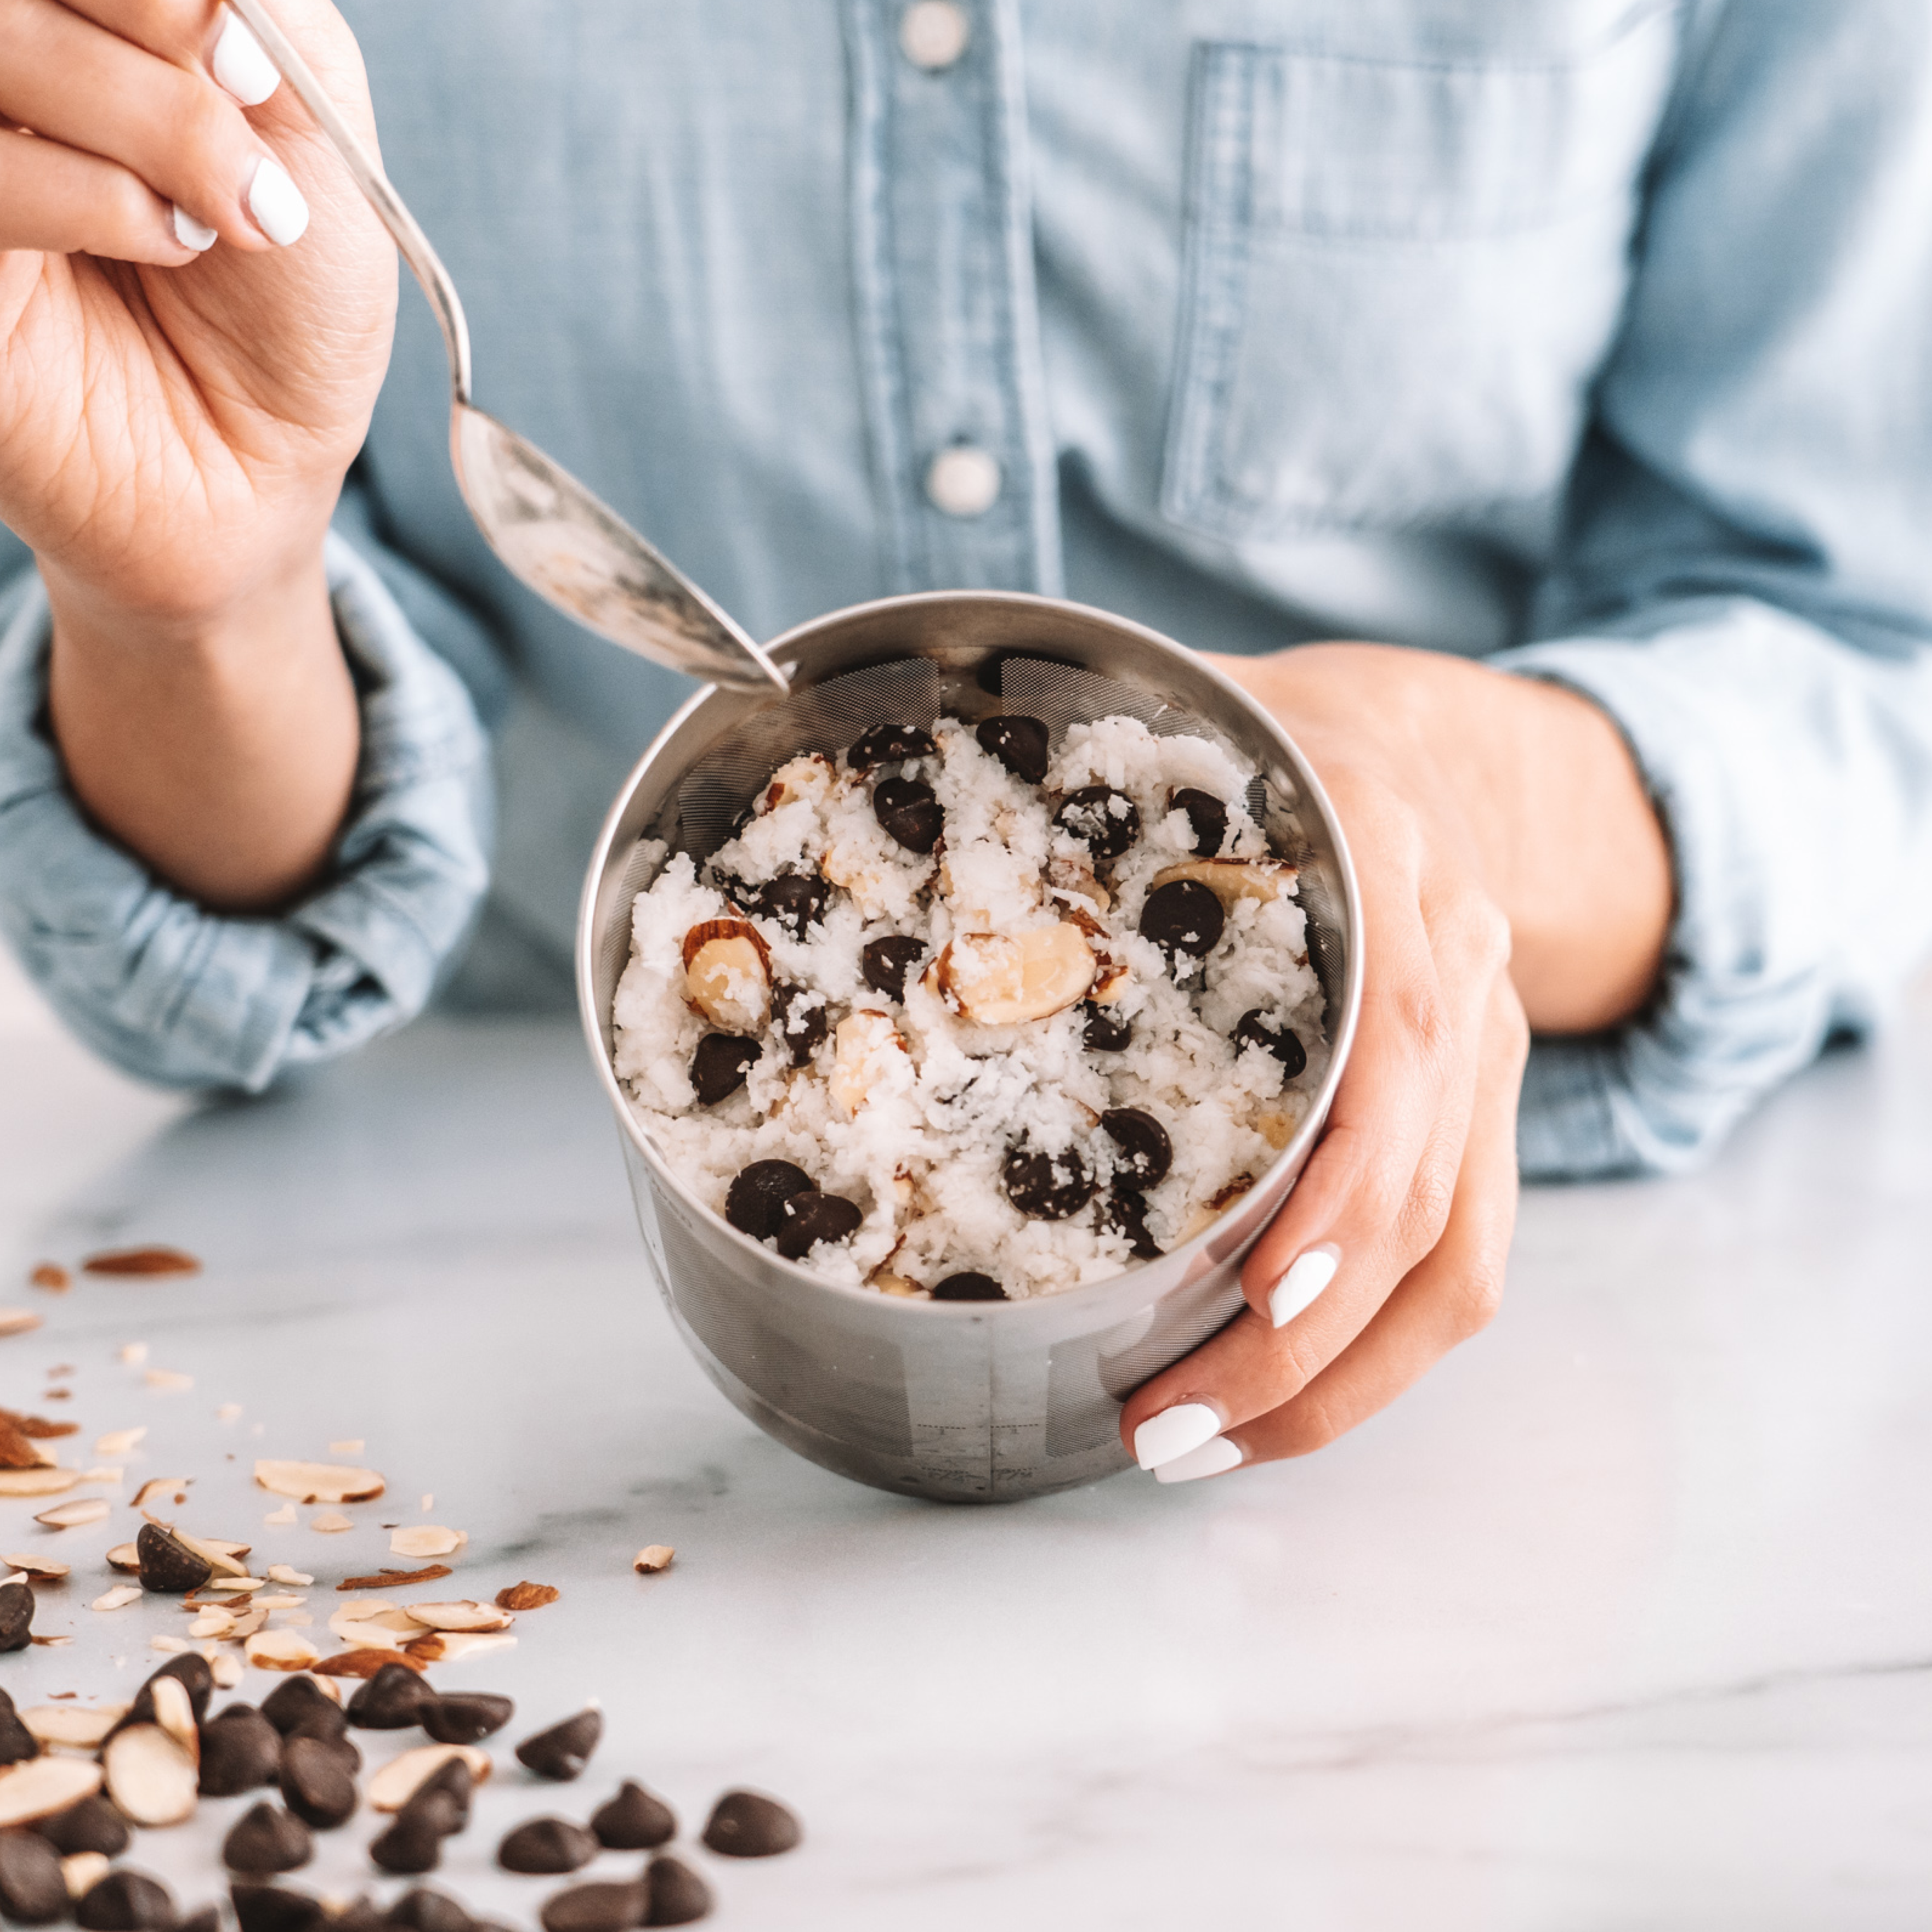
175, 419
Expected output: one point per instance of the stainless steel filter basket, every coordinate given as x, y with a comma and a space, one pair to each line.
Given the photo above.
963, 1401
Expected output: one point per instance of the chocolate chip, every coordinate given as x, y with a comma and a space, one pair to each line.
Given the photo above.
331, 1730
1207, 817
391, 1701
17, 1743
290, 1701
93, 1825
1183, 916
441, 1803
969, 1287
462, 1717
1047, 1186
719, 1066
759, 1191
565, 1749
806, 1219
1105, 821
317, 1786
1106, 1031
1124, 1213
423, 1909
16, 1616
796, 900
676, 1894
890, 745
884, 963
1146, 1152
798, 1018
1019, 742
1252, 1029
747, 1825
32, 1891
908, 809
359, 1916
635, 1820
273, 1908
604, 1907
264, 1838
208, 1919
410, 1845
168, 1566
547, 1845
127, 1901
240, 1750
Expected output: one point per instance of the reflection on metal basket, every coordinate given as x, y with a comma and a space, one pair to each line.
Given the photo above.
975, 1401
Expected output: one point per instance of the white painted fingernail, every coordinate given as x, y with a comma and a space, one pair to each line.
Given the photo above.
276, 203
1212, 1459
1311, 1273
239, 64
1174, 1432
190, 233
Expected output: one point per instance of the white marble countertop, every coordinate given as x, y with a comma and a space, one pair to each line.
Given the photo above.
1621, 1620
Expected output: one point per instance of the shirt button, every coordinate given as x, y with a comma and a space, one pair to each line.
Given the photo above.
963, 481
933, 34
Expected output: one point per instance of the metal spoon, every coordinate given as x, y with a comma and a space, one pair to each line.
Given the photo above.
552, 532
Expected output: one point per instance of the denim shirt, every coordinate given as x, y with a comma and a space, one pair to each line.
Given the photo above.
1591, 337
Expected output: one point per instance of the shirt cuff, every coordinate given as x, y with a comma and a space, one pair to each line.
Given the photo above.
185, 997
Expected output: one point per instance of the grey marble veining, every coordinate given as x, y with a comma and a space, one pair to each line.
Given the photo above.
1620, 1620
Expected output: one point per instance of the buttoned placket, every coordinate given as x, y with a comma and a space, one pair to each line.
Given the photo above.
942, 240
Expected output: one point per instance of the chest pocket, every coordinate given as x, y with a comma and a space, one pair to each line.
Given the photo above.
1400, 279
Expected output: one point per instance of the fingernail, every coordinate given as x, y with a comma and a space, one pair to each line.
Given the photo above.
239, 64
1212, 1459
1174, 1432
276, 203
190, 233
1312, 1272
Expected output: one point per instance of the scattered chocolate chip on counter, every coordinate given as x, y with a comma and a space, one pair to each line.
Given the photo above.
394, 1700
562, 1751
317, 1786
265, 1839
273, 1908
16, 1615
547, 1845
240, 1751
167, 1565
127, 1901
93, 1825
464, 1717
33, 1889
635, 1820
747, 1825
675, 1894
602, 1905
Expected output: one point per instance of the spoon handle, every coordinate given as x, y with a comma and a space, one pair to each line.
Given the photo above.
409, 239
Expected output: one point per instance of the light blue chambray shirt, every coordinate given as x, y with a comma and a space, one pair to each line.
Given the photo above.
1593, 334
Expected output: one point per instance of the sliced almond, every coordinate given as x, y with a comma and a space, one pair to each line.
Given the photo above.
119, 1442
17, 1321
52, 1277
212, 1623
150, 1776
74, 1516
864, 1047
278, 1603
1231, 879
225, 1669
72, 1726
166, 1378
133, 1353
451, 1646
39, 1569
653, 1558
331, 1522
319, 1482
728, 974
175, 1713
125, 1556
214, 1554
360, 1636
229, 1412
364, 1663
42, 1785
282, 1572
283, 1515
39, 1482
996, 981
19, 1451
527, 1596
426, 1539
105, 1474
395, 1783
280, 1649
175, 1646
81, 1871
246, 1625
160, 1492
117, 1598
238, 1586
467, 1615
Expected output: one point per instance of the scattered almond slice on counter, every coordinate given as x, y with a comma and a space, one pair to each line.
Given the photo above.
42, 1785
331, 1522
365, 1663
74, 1516
173, 1646
19, 1451
72, 1727
119, 1442
175, 1713
81, 1871
426, 1539
653, 1558
354, 1446
117, 1598
52, 1642
365, 1637
235, 1586
451, 1646
319, 1482
148, 1261
229, 1412
246, 1625
37, 1427
395, 1580
285, 1515
52, 1277
162, 1489
277, 1603
150, 1776
394, 1784
39, 1569
42, 1482
103, 1475
133, 1353
216, 1555
467, 1615
527, 1596
428, 1504
17, 1321
166, 1378
283, 1572
280, 1650
212, 1623
125, 1556
226, 1669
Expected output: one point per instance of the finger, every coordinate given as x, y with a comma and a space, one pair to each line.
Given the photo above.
69, 80
1446, 1298
55, 200
191, 33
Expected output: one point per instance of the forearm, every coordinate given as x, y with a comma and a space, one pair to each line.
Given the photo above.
221, 751
1539, 786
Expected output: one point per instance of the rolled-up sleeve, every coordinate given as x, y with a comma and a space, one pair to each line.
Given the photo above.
1746, 587
185, 997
